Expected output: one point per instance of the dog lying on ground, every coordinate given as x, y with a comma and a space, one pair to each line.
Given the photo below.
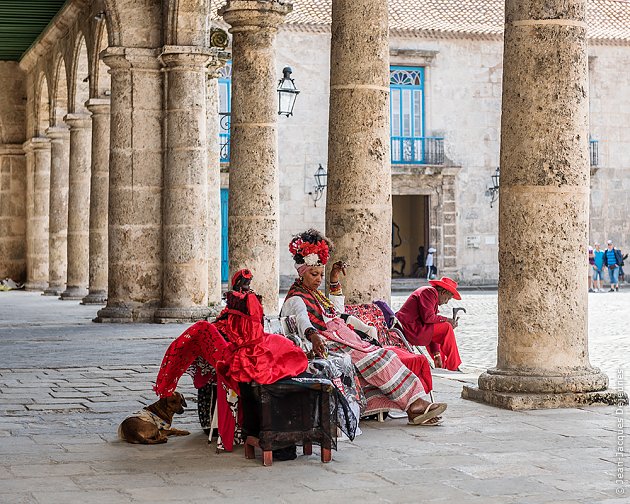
152, 424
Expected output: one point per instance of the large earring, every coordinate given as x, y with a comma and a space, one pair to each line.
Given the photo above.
301, 279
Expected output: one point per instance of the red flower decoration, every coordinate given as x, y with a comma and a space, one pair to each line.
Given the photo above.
303, 249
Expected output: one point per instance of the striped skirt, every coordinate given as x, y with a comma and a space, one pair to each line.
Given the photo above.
386, 382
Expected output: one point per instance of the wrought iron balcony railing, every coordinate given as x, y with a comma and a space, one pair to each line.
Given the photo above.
224, 136
417, 150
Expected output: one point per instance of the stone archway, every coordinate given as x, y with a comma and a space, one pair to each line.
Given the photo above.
37, 151
80, 122
59, 162
99, 107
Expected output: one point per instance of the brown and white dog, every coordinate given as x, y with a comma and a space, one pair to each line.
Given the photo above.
152, 424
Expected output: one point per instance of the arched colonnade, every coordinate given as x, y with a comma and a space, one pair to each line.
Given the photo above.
161, 160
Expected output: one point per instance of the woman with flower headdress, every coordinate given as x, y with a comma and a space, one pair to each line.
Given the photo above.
386, 381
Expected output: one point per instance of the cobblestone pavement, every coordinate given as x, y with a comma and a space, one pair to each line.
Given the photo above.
66, 383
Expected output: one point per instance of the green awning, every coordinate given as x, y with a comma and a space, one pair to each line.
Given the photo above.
21, 22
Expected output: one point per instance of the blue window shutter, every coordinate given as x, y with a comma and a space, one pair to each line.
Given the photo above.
407, 115
224, 235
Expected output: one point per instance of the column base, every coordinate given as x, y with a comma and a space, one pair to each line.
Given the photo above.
181, 315
95, 298
125, 314
73, 293
54, 290
530, 401
35, 286
530, 389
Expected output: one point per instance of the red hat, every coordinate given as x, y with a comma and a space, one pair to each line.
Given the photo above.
242, 273
447, 284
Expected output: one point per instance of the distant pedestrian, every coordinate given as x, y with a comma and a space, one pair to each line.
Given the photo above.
591, 263
622, 275
429, 263
613, 261
598, 268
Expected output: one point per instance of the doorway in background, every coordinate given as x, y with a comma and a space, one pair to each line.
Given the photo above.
410, 234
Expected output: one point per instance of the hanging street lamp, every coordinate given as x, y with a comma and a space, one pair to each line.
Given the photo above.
287, 93
493, 190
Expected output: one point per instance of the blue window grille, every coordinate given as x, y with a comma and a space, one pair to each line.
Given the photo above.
224, 235
594, 152
225, 109
408, 143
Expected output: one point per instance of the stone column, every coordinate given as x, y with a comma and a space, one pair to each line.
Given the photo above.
135, 186
99, 190
254, 191
358, 201
58, 209
37, 200
543, 305
185, 193
12, 212
79, 205
214, 190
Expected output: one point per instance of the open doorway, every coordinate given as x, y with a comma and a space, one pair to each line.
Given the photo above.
410, 234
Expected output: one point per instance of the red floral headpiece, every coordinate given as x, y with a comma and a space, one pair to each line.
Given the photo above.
314, 254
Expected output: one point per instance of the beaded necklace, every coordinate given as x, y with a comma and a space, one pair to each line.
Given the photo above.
327, 306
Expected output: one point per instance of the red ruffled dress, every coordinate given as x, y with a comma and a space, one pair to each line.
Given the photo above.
239, 350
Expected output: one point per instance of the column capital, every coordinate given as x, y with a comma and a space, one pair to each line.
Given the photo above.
11, 150
98, 105
193, 57
125, 58
58, 132
36, 143
243, 15
217, 62
78, 121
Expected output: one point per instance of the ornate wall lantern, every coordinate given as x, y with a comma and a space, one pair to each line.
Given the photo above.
287, 93
493, 190
321, 181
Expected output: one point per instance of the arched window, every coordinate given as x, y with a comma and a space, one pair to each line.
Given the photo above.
225, 109
407, 114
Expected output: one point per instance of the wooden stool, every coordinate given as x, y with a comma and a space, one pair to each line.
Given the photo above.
286, 413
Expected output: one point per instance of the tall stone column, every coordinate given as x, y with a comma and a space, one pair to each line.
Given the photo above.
135, 186
37, 206
254, 191
214, 190
99, 190
542, 352
58, 209
185, 193
358, 201
79, 205
12, 212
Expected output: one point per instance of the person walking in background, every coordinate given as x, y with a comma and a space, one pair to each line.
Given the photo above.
613, 261
429, 262
591, 263
598, 268
622, 275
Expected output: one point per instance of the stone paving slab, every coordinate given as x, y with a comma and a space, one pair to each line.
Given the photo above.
79, 380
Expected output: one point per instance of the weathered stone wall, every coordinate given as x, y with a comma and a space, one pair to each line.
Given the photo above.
610, 125
12, 172
463, 104
302, 138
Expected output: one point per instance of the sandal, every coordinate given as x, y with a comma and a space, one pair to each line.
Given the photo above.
431, 422
429, 413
